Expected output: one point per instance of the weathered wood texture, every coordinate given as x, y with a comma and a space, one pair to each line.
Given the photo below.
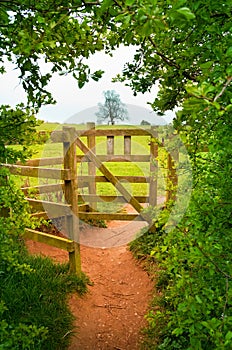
91, 143
109, 176
54, 210
85, 179
42, 161
153, 189
115, 199
109, 216
62, 243
172, 178
70, 194
127, 145
61, 136
60, 174
55, 241
43, 189
117, 158
110, 145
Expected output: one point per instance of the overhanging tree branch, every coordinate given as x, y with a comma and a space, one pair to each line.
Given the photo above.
170, 62
229, 79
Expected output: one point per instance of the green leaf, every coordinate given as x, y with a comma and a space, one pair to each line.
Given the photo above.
185, 11
206, 65
198, 299
229, 335
217, 105
229, 51
130, 2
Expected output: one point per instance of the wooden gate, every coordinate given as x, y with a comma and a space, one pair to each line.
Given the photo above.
80, 147
87, 142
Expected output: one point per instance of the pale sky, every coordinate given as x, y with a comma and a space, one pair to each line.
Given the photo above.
70, 99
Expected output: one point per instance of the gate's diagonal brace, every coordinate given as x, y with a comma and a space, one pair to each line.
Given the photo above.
111, 178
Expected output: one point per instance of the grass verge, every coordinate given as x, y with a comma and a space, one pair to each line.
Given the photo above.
34, 305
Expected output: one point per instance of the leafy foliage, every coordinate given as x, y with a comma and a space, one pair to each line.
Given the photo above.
56, 33
186, 47
33, 306
112, 110
17, 126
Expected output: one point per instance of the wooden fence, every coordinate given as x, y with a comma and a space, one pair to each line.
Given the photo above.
76, 206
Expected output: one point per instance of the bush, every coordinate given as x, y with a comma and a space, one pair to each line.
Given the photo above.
33, 290
193, 309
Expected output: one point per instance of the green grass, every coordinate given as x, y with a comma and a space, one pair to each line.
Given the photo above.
40, 298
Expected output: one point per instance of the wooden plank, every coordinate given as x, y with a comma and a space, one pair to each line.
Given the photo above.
118, 158
19, 170
153, 188
127, 145
75, 259
91, 143
41, 215
70, 185
130, 199
42, 161
115, 132
60, 136
53, 209
54, 241
172, 178
83, 207
43, 189
70, 193
110, 145
85, 179
44, 215
109, 216
115, 199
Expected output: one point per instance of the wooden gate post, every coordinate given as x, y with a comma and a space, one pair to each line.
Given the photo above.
70, 194
110, 145
127, 145
153, 169
172, 178
91, 143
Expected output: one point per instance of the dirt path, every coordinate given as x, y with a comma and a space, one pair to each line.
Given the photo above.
111, 315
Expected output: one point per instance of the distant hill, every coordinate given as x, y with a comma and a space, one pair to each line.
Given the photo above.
136, 115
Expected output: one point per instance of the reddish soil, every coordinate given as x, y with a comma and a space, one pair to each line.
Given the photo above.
111, 315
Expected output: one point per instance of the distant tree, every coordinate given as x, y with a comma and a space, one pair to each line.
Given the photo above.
112, 110
145, 122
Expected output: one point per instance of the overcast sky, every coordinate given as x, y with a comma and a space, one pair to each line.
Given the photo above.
70, 99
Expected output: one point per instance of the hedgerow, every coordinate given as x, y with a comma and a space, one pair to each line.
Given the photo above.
194, 306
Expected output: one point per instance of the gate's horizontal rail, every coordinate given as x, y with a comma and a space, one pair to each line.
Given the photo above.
55, 241
54, 209
44, 215
62, 136
109, 216
42, 161
70, 246
41, 215
91, 178
42, 189
61, 174
115, 199
82, 158
117, 158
